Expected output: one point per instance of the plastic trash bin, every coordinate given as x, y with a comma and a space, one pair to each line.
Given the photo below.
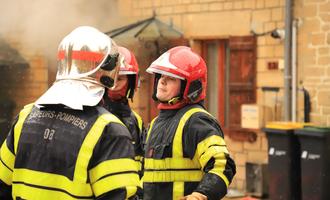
315, 162
283, 160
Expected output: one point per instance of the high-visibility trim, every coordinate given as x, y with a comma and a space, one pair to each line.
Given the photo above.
87, 147
7, 156
214, 151
139, 165
114, 182
209, 141
5, 174
178, 190
138, 158
59, 183
172, 176
176, 168
220, 167
139, 119
19, 125
112, 166
26, 191
130, 191
177, 141
169, 163
151, 125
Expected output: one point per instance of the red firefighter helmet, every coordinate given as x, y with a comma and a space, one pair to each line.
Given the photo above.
182, 63
129, 67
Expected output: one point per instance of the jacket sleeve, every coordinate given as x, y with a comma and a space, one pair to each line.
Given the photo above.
113, 173
7, 160
204, 143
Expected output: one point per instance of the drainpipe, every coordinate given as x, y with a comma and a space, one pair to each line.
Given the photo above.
287, 60
294, 70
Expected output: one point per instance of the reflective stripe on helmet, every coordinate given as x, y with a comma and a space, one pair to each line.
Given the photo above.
82, 55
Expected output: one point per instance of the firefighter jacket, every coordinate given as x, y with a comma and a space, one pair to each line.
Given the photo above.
185, 152
134, 124
59, 153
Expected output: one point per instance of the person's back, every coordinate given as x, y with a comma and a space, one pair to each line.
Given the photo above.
65, 146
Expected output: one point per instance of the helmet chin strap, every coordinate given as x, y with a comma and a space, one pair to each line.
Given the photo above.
174, 100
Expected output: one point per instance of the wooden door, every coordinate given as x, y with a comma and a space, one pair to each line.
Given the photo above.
241, 83
231, 81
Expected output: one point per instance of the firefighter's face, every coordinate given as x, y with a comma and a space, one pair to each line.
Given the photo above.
167, 88
121, 82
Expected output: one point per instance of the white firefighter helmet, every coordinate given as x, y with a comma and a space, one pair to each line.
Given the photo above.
87, 64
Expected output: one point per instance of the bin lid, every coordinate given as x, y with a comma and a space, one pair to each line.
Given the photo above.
315, 131
284, 125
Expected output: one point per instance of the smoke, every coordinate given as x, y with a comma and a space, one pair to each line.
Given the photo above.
40, 25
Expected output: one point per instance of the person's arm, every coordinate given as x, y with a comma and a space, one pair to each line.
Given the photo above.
112, 171
204, 143
7, 160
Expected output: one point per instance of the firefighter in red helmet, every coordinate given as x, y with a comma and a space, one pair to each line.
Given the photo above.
65, 145
117, 100
185, 155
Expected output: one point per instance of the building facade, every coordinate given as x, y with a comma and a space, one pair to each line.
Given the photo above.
245, 63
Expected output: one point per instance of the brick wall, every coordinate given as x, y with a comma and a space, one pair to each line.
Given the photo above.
314, 55
203, 19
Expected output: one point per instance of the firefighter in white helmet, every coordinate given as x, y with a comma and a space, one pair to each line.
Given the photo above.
186, 156
66, 146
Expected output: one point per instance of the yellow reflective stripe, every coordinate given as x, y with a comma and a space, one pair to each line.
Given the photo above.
139, 119
114, 182
150, 127
27, 192
178, 190
177, 141
139, 165
213, 151
171, 176
7, 156
130, 191
87, 147
112, 166
52, 181
169, 163
19, 125
220, 166
209, 141
5, 174
138, 158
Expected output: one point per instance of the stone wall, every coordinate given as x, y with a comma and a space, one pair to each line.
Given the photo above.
219, 19
314, 55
